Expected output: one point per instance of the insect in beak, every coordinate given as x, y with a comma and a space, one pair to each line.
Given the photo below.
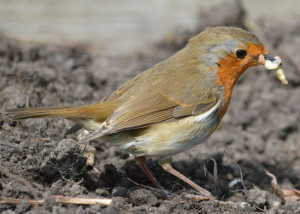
273, 63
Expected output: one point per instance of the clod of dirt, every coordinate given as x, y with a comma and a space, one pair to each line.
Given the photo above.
257, 198
110, 177
142, 196
119, 205
64, 160
103, 192
119, 191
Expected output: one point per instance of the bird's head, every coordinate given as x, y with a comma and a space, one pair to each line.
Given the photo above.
227, 52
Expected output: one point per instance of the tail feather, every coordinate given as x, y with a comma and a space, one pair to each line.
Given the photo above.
53, 112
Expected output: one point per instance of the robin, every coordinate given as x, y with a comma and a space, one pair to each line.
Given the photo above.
172, 106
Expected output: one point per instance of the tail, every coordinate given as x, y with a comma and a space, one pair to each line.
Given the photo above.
86, 112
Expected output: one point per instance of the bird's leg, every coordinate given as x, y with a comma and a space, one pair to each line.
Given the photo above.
166, 165
141, 163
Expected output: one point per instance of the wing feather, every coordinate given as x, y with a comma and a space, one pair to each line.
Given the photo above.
152, 97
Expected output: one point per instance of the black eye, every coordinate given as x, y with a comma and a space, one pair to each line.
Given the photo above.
241, 53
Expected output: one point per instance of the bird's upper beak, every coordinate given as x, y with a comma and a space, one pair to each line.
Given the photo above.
262, 59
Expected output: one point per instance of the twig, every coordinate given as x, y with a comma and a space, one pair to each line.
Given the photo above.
215, 170
45, 139
242, 178
80, 181
10, 145
215, 176
28, 96
274, 185
60, 200
240, 169
196, 197
145, 186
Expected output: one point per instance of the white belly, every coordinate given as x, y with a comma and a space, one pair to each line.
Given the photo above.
167, 139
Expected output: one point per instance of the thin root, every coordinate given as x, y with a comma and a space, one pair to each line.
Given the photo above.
60, 200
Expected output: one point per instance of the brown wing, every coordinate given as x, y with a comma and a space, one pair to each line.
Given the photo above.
139, 112
158, 95
144, 109
151, 110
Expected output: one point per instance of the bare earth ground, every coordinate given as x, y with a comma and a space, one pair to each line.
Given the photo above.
260, 130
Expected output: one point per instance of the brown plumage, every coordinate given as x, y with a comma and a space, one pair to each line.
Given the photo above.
173, 105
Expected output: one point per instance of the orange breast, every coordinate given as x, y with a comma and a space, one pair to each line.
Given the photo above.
226, 81
231, 68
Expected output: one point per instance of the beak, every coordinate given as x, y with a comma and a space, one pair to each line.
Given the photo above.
269, 62
268, 57
263, 58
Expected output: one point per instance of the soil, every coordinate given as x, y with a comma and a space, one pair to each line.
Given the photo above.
260, 130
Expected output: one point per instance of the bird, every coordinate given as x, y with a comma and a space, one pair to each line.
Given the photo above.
170, 107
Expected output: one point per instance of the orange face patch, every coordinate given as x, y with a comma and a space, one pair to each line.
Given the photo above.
231, 68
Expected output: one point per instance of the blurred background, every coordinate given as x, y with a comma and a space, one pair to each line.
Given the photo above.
117, 26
